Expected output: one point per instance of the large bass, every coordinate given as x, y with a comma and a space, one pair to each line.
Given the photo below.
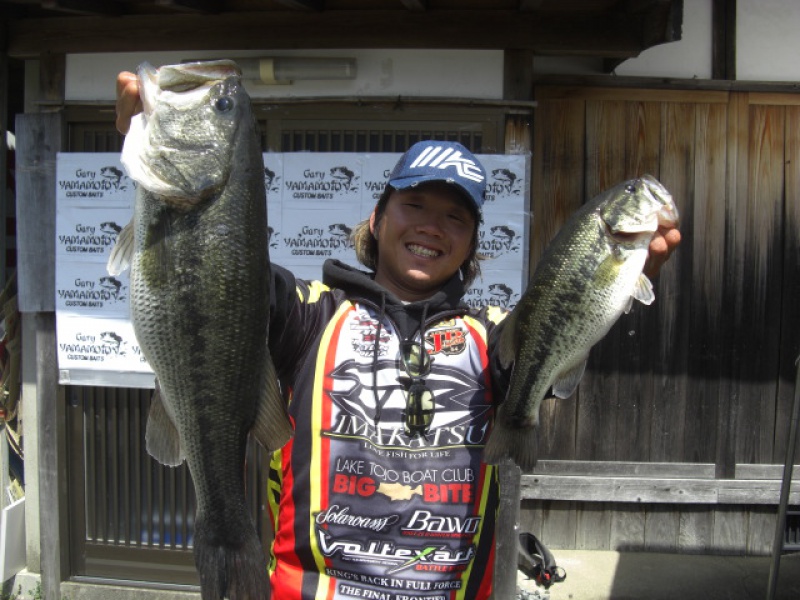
197, 248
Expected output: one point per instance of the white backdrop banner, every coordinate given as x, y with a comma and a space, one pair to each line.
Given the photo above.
313, 199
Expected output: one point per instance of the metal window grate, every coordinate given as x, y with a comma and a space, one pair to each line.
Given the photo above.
129, 501
366, 140
791, 535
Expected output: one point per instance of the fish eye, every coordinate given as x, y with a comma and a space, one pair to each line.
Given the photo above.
630, 188
224, 104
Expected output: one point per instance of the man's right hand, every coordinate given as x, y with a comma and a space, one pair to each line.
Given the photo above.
128, 100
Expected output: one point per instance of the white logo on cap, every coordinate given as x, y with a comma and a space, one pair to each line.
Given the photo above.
434, 157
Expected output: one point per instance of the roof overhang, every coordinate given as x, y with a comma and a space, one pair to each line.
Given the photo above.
613, 29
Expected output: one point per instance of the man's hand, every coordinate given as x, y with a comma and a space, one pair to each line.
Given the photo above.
663, 244
128, 100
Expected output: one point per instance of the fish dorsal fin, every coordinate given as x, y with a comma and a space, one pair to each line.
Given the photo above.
507, 342
567, 382
161, 438
272, 428
643, 290
122, 254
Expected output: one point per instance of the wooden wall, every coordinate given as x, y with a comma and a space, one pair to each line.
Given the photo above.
705, 376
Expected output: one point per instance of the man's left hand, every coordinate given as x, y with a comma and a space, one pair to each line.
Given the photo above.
663, 244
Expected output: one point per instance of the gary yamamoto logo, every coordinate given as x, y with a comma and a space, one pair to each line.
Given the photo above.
340, 182
504, 182
344, 176
500, 240
115, 177
272, 237
272, 181
340, 230
317, 241
88, 293
502, 295
89, 238
87, 183
96, 348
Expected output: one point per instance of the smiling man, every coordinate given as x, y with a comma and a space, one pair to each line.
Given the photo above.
391, 386
426, 222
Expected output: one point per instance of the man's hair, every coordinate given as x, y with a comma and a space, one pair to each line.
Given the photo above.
366, 246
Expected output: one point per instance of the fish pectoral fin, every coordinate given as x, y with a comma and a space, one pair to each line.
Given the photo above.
567, 382
272, 427
161, 438
122, 254
507, 341
643, 291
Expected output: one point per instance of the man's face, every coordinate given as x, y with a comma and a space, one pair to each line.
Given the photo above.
424, 235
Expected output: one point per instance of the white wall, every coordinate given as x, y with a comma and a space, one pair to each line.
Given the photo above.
768, 40
435, 73
689, 58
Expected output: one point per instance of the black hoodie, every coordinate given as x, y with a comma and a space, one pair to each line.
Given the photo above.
357, 501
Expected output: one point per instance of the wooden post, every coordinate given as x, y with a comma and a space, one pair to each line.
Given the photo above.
507, 533
780, 522
517, 85
38, 140
4, 184
4, 474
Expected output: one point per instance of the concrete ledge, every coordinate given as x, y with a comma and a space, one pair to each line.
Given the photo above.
606, 575
29, 586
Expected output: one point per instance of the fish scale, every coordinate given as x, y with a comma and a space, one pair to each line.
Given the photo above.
587, 278
197, 248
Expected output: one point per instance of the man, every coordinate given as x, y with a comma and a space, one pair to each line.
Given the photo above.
391, 385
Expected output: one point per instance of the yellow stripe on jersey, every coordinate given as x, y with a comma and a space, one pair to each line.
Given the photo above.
274, 485
479, 327
496, 314
316, 441
315, 290
490, 474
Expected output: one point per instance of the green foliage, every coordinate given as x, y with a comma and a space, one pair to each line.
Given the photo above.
34, 594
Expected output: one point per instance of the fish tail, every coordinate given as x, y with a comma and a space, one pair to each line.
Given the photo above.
233, 571
518, 443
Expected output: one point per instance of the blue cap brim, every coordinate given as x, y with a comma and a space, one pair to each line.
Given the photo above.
404, 183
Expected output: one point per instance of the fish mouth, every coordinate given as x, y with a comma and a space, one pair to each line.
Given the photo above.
172, 169
190, 75
628, 236
668, 216
181, 78
423, 251
641, 209
668, 212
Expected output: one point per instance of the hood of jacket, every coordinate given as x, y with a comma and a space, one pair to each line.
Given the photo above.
359, 286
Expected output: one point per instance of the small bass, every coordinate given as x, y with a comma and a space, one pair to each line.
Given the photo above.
589, 275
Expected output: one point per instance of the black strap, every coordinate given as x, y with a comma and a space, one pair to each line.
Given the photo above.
537, 562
